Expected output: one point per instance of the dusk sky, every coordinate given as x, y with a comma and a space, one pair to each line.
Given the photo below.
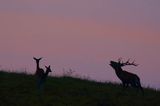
83, 35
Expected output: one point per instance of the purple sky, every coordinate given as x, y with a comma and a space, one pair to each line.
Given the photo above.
82, 34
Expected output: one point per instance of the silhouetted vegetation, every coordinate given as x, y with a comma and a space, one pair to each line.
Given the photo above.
20, 90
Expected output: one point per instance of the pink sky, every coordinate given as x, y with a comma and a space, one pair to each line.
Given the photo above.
82, 34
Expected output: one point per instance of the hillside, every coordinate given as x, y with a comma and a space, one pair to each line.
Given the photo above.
20, 90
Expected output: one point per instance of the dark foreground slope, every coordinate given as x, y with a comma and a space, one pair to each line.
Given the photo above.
20, 90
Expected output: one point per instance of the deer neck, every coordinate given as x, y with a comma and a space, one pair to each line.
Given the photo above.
46, 73
38, 66
118, 70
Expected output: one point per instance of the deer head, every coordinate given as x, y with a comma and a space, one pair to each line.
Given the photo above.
37, 59
48, 69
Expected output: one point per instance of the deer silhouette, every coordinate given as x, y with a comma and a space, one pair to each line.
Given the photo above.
42, 79
127, 78
39, 71
48, 69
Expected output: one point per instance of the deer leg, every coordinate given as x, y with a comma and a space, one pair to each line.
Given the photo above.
127, 84
124, 85
140, 87
133, 85
40, 84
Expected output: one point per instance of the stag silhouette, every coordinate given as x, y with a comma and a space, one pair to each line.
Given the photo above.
127, 78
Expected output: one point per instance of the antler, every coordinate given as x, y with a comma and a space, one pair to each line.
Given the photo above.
119, 60
127, 62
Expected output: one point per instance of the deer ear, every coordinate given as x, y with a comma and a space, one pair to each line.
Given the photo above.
40, 58
34, 58
46, 66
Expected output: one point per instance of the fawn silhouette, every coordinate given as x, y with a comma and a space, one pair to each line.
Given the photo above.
39, 71
127, 78
43, 77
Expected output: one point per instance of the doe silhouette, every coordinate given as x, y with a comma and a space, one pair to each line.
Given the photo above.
39, 71
127, 78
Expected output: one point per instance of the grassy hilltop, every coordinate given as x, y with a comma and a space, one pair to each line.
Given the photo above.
20, 90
